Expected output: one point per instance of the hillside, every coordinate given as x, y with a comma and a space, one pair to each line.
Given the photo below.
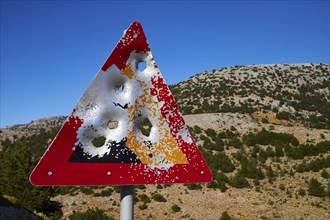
296, 93
264, 131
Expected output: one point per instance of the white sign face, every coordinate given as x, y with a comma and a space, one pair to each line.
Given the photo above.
103, 141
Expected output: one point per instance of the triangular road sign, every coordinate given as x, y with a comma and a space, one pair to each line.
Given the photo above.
101, 142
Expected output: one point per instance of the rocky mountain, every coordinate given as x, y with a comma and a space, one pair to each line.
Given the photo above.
34, 127
264, 131
298, 93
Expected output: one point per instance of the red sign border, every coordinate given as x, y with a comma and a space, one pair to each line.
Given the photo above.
54, 168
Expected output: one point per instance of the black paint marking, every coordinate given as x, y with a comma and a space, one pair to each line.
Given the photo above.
119, 153
148, 144
123, 107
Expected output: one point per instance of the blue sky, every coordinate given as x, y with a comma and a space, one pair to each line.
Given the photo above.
50, 51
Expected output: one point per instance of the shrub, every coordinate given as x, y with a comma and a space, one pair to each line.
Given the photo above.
90, 214
158, 197
314, 150
239, 181
63, 190
222, 187
86, 190
144, 198
314, 165
193, 186
269, 138
211, 133
197, 129
279, 151
221, 177
175, 208
250, 170
235, 142
225, 216
225, 164
283, 115
143, 206
219, 146
315, 188
137, 187
325, 174
213, 184
218, 161
106, 192
270, 172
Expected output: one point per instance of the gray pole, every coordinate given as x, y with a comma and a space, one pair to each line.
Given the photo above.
127, 202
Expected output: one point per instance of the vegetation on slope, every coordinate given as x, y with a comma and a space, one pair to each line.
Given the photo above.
253, 160
295, 93
236, 160
17, 160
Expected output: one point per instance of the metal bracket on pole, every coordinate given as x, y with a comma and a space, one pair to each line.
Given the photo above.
127, 202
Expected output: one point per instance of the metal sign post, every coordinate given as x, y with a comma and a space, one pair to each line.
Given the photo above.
127, 202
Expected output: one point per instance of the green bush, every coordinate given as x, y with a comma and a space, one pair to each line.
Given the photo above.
136, 187
270, 172
144, 198
284, 115
63, 190
279, 151
222, 187
325, 174
193, 186
218, 146
225, 216
235, 142
175, 208
197, 129
221, 177
158, 197
269, 138
90, 214
211, 133
86, 190
315, 188
314, 165
106, 192
218, 161
239, 181
143, 206
213, 184
314, 150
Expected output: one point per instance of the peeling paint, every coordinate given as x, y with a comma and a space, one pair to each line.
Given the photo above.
113, 106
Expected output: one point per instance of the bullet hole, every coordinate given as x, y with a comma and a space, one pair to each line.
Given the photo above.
145, 127
98, 141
